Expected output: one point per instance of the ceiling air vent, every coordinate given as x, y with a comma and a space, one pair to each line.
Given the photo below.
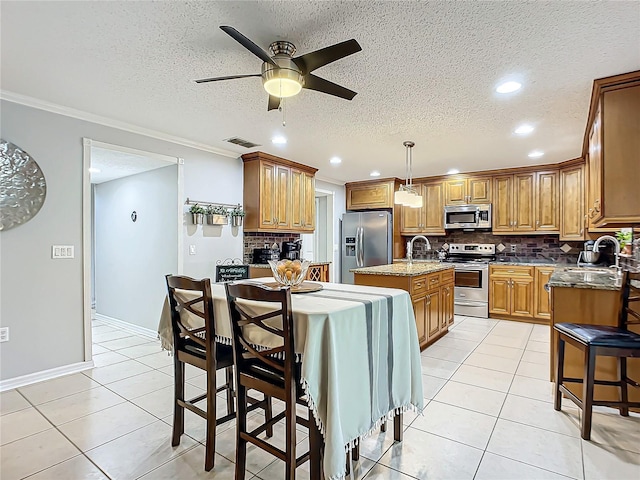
242, 142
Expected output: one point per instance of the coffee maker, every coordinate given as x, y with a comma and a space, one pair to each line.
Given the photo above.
291, 250
588, 257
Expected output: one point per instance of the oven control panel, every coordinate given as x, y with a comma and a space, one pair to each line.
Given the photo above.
476, 249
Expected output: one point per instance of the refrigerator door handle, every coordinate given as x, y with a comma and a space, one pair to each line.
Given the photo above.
359, 247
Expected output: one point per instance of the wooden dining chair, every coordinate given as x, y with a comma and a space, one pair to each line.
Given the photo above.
609, 341
197, 347
273, 371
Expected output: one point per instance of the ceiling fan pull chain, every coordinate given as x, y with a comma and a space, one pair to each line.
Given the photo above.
283, 110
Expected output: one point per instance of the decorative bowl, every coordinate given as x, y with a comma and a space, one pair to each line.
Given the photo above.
289, 272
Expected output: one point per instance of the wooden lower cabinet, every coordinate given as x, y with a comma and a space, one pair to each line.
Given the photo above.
515, 293
431, 297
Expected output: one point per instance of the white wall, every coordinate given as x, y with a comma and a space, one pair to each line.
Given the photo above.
42, 298
339, 207
131, 258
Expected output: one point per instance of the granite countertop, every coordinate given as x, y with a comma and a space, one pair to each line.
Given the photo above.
596, 279
525, 262
404, 269
266, 265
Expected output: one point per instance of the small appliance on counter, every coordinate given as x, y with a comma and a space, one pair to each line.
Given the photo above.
588, 257
291, 250
263, 255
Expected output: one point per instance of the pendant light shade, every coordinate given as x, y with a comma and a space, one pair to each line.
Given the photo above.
407, 195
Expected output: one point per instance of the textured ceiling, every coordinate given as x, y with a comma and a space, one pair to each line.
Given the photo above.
427, 73
113, 164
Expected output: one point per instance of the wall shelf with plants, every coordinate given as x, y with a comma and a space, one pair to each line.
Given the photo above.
215, 213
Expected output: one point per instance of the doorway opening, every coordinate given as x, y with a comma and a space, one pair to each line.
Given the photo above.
318, 246
132, 236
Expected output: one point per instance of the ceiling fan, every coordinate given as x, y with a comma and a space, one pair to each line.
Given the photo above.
284, 76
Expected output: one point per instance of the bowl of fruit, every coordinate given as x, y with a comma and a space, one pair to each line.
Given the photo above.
289, 272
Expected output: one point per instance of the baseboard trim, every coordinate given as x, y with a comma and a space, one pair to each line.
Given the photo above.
44, 375
137, 329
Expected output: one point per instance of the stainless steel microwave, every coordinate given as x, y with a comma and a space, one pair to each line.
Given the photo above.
467, 216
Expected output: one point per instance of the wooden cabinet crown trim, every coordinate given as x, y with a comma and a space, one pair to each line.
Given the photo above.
255, 156
377, 181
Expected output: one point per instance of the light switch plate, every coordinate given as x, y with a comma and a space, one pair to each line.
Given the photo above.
192, 249
4, 334
62, 251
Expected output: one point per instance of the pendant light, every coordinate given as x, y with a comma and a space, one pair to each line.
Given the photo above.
407, 195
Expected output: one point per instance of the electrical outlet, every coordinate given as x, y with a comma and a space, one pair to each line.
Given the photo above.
192, 249
4, 334
513, 248
62, 251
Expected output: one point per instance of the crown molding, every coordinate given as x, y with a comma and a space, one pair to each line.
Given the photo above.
109, 122
331, 180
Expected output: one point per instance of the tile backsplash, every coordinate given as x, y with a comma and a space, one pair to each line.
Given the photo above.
264, 240
540, 246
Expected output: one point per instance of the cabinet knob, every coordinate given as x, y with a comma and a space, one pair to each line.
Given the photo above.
418, 285
537, 223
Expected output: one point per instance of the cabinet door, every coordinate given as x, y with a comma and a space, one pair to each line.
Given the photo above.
446, 301
479, 190
412, 219
370, 196
522, 297
503, 204
572, 203
309, 210
433, 216
523, 204
499, 296
297, 199
268, 190
433, 313
547, 205
542, 298
283, 197
455, 192
595, 171
420, 312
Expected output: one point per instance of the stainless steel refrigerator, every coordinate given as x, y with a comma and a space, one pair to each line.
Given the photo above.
366, 240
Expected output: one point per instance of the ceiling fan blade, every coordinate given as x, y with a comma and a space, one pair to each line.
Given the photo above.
231, 77
274, 103
248, 44
311, 61
325, 86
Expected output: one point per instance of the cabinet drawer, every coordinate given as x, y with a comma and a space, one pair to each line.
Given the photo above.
446, 277
433, 280
511, 271
419, 285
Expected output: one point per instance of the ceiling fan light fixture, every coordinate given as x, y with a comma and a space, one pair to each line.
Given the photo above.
282, 82
282, 87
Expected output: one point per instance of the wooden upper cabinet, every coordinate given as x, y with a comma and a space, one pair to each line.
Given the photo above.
430, 217
572, 217
471, 190
375, 194
547, 204
526, 203
614, 152
279, 195
542, 298
503, 204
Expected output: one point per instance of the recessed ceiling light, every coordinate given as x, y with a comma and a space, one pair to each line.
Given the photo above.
524, 129
508, 87
536, 154
375, 173
94, 170
279, 140
335, 160
453, 171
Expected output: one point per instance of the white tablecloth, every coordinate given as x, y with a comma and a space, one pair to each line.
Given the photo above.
361, 359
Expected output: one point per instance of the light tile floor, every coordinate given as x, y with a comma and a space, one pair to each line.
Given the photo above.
488, 415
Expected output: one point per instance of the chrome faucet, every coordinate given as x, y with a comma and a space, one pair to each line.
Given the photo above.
410, 246
616, 250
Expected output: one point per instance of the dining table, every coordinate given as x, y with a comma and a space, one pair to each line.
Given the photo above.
360, 359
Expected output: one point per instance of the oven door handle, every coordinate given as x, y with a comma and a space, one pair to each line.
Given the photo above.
469, 303
470, 271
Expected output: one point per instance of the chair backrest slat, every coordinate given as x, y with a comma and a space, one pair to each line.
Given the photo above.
629, 314
278, 304
179, 288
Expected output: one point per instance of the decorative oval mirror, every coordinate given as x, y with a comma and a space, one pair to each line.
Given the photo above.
22, 186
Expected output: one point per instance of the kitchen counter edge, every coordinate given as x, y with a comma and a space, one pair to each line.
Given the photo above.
403, 269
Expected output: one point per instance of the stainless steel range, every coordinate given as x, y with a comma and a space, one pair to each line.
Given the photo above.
471, 293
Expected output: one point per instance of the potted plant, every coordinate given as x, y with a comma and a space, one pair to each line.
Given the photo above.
624, 237
236, 216
197, 214
217, 215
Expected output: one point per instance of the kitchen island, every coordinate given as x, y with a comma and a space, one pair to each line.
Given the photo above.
589, 296
318, 271
430, 286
